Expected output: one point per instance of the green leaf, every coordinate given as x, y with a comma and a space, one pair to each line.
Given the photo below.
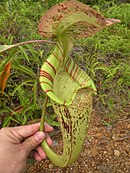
24, 69
7, 121
26, 83
24, 52
23, 96
35, 92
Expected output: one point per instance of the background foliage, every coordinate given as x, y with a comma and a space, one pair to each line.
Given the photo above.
104, 56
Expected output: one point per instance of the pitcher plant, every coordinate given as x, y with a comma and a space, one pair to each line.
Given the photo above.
67, 86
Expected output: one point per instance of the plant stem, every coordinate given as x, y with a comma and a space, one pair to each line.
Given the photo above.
43, 114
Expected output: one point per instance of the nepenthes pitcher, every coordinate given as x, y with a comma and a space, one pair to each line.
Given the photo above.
69, 88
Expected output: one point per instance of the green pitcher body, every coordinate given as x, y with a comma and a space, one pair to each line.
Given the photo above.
74, 120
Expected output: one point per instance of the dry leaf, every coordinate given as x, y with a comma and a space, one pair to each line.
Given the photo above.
4, 76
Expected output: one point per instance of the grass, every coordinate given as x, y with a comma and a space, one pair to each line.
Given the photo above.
105, 56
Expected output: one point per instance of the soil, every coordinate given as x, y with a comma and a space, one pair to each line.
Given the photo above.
106, 150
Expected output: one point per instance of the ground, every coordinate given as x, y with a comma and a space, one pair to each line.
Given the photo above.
106, 150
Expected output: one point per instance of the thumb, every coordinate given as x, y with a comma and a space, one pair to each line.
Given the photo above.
31, 142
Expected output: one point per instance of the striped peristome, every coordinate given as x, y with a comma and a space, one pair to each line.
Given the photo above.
51, 67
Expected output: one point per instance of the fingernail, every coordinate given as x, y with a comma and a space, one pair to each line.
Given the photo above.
39, 136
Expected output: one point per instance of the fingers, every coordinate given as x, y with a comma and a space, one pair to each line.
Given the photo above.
48, 128
38, 154
25, 131
37, 157
28, 130
48, 139
31, 142
32, 137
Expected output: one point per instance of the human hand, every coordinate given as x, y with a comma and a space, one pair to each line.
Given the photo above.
18, 143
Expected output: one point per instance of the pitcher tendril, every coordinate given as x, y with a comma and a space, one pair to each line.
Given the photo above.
43, 114
69, 88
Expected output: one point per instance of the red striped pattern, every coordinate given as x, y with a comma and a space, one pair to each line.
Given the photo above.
59, 46
76, 70
56, 56
76, 73
72, 69
68, 64
82, 77
51, 66
46, 75
48, 91
43, 82
85, 81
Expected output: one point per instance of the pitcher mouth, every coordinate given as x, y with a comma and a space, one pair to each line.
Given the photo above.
110, 21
